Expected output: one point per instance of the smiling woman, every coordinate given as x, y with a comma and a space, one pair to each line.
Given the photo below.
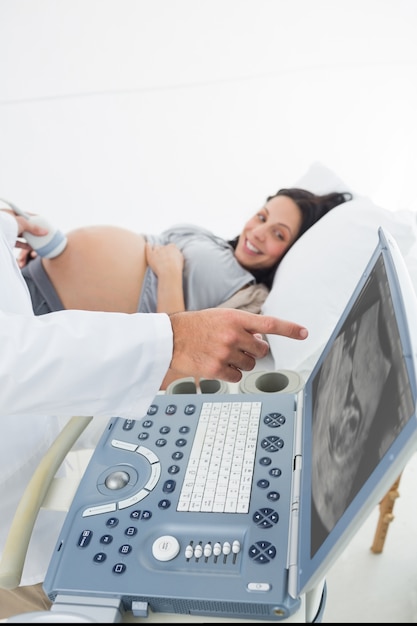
269, 234
107, 268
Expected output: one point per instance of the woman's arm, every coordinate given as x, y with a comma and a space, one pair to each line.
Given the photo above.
167, 262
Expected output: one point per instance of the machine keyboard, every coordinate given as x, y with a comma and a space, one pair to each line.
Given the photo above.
220, 468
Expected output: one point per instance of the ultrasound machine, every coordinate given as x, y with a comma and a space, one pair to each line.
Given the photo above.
232, 504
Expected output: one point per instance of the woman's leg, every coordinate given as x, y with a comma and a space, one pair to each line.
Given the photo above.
101, 269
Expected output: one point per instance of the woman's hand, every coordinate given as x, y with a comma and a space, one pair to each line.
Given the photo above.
165, 260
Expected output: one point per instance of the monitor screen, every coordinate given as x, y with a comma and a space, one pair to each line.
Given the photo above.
361, 399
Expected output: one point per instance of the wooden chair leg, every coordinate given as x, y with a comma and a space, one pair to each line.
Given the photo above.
385, 517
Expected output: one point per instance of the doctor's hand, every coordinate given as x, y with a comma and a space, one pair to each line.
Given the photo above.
26, 251
221, 343
24, 224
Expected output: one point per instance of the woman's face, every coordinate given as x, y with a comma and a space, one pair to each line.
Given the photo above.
269, 234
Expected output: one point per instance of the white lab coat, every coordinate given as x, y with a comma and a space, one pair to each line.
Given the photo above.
63, 364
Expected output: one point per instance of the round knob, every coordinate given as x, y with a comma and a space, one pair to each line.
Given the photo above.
117, 480
165, 548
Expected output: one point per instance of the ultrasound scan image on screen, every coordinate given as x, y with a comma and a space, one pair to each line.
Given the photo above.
361, 400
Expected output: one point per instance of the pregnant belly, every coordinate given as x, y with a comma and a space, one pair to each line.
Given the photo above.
101, 269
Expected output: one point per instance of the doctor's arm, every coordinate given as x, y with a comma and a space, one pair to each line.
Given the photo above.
92, 363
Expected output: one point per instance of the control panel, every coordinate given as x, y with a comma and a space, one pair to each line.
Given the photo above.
186, 509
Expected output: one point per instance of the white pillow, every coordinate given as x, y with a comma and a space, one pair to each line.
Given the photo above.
320, 179
318, 275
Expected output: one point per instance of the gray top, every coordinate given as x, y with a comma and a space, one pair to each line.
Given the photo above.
211, 272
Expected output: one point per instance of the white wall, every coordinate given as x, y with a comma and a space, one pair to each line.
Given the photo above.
144, 113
